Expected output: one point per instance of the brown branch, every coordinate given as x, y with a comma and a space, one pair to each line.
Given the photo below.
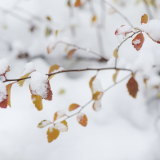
124, 17
74, 70
84, 49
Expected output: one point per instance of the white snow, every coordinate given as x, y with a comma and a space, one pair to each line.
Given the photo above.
60, 114
80, 116
3, 66
58, 70
61, 127
137, 41
44, 123
3, 91
123, 30
97, 105
29, 67
152, 28
38, 84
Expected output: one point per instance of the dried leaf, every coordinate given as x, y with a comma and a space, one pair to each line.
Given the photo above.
78, 3
70, 53
145, 82
115, 53
73, 106
8, 87
94, 18
124, 29
132, 87
52, 134
59, 114
21, 82
97, 96
90, 82
115, 76
52, 69
3, 104
49, 92
82, 119
144, 19
37, 101
44, 123
48, 18
48, 31
61, 91
138, 41
69, 3
56, 33
96, 105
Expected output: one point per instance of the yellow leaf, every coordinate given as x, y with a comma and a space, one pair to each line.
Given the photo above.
8, 87
52, 134
115, 76
82, 119
48, 18
94, 18
90, 82
70, 53
21, 82
37, 101
115, 53
73, 106
56, 33
52, 69
97, 96
61, 91
144, 19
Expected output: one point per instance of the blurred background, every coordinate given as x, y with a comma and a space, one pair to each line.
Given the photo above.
125, 128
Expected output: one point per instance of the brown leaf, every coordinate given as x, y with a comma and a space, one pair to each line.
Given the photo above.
78, 3
115, 76
49, 92
52, 134
82, 119
145, 82
138, 41
37, 101
8, 87
144, 19
73, 106
115, 53
70, 53
132, 87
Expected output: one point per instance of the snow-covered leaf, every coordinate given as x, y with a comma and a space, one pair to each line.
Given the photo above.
61, 126
37, 101
59, 114
82, 119
124, 29
52, 134
44, 123
138, 41
96, 105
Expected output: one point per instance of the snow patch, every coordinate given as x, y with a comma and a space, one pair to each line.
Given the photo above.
137, 41
3, 92
80, 116
3, 66
61, 127
29, 67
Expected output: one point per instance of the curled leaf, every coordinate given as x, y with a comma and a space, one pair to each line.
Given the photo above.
73, 106
132, 87
138, 41
37, 101
44, 123
144, 19
96, 105
52, 134
70, 53
21, 82
53, 68
82, 119
8, 87
115, 53
115, 76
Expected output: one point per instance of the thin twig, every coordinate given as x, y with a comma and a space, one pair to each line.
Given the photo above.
74, 70
124, 17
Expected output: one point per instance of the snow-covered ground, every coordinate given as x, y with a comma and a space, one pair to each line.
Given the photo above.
125, 128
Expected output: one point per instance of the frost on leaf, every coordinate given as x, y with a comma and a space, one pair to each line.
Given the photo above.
3, 95
39, 85
96, 105
144, 19
82, 119
78, 3
115, 53
52, 134
59, 114
70, 53
73, 106
61, 126
124, 29
4, 67
96, 88
53, 69
115, 76
28, 69
44, 123
132, 87
137, 42
37, 101
8, 87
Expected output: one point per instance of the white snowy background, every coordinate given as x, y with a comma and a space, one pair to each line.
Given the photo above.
124, 129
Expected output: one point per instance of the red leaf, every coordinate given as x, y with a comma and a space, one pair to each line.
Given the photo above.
138, 41
3, 104
123, 30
